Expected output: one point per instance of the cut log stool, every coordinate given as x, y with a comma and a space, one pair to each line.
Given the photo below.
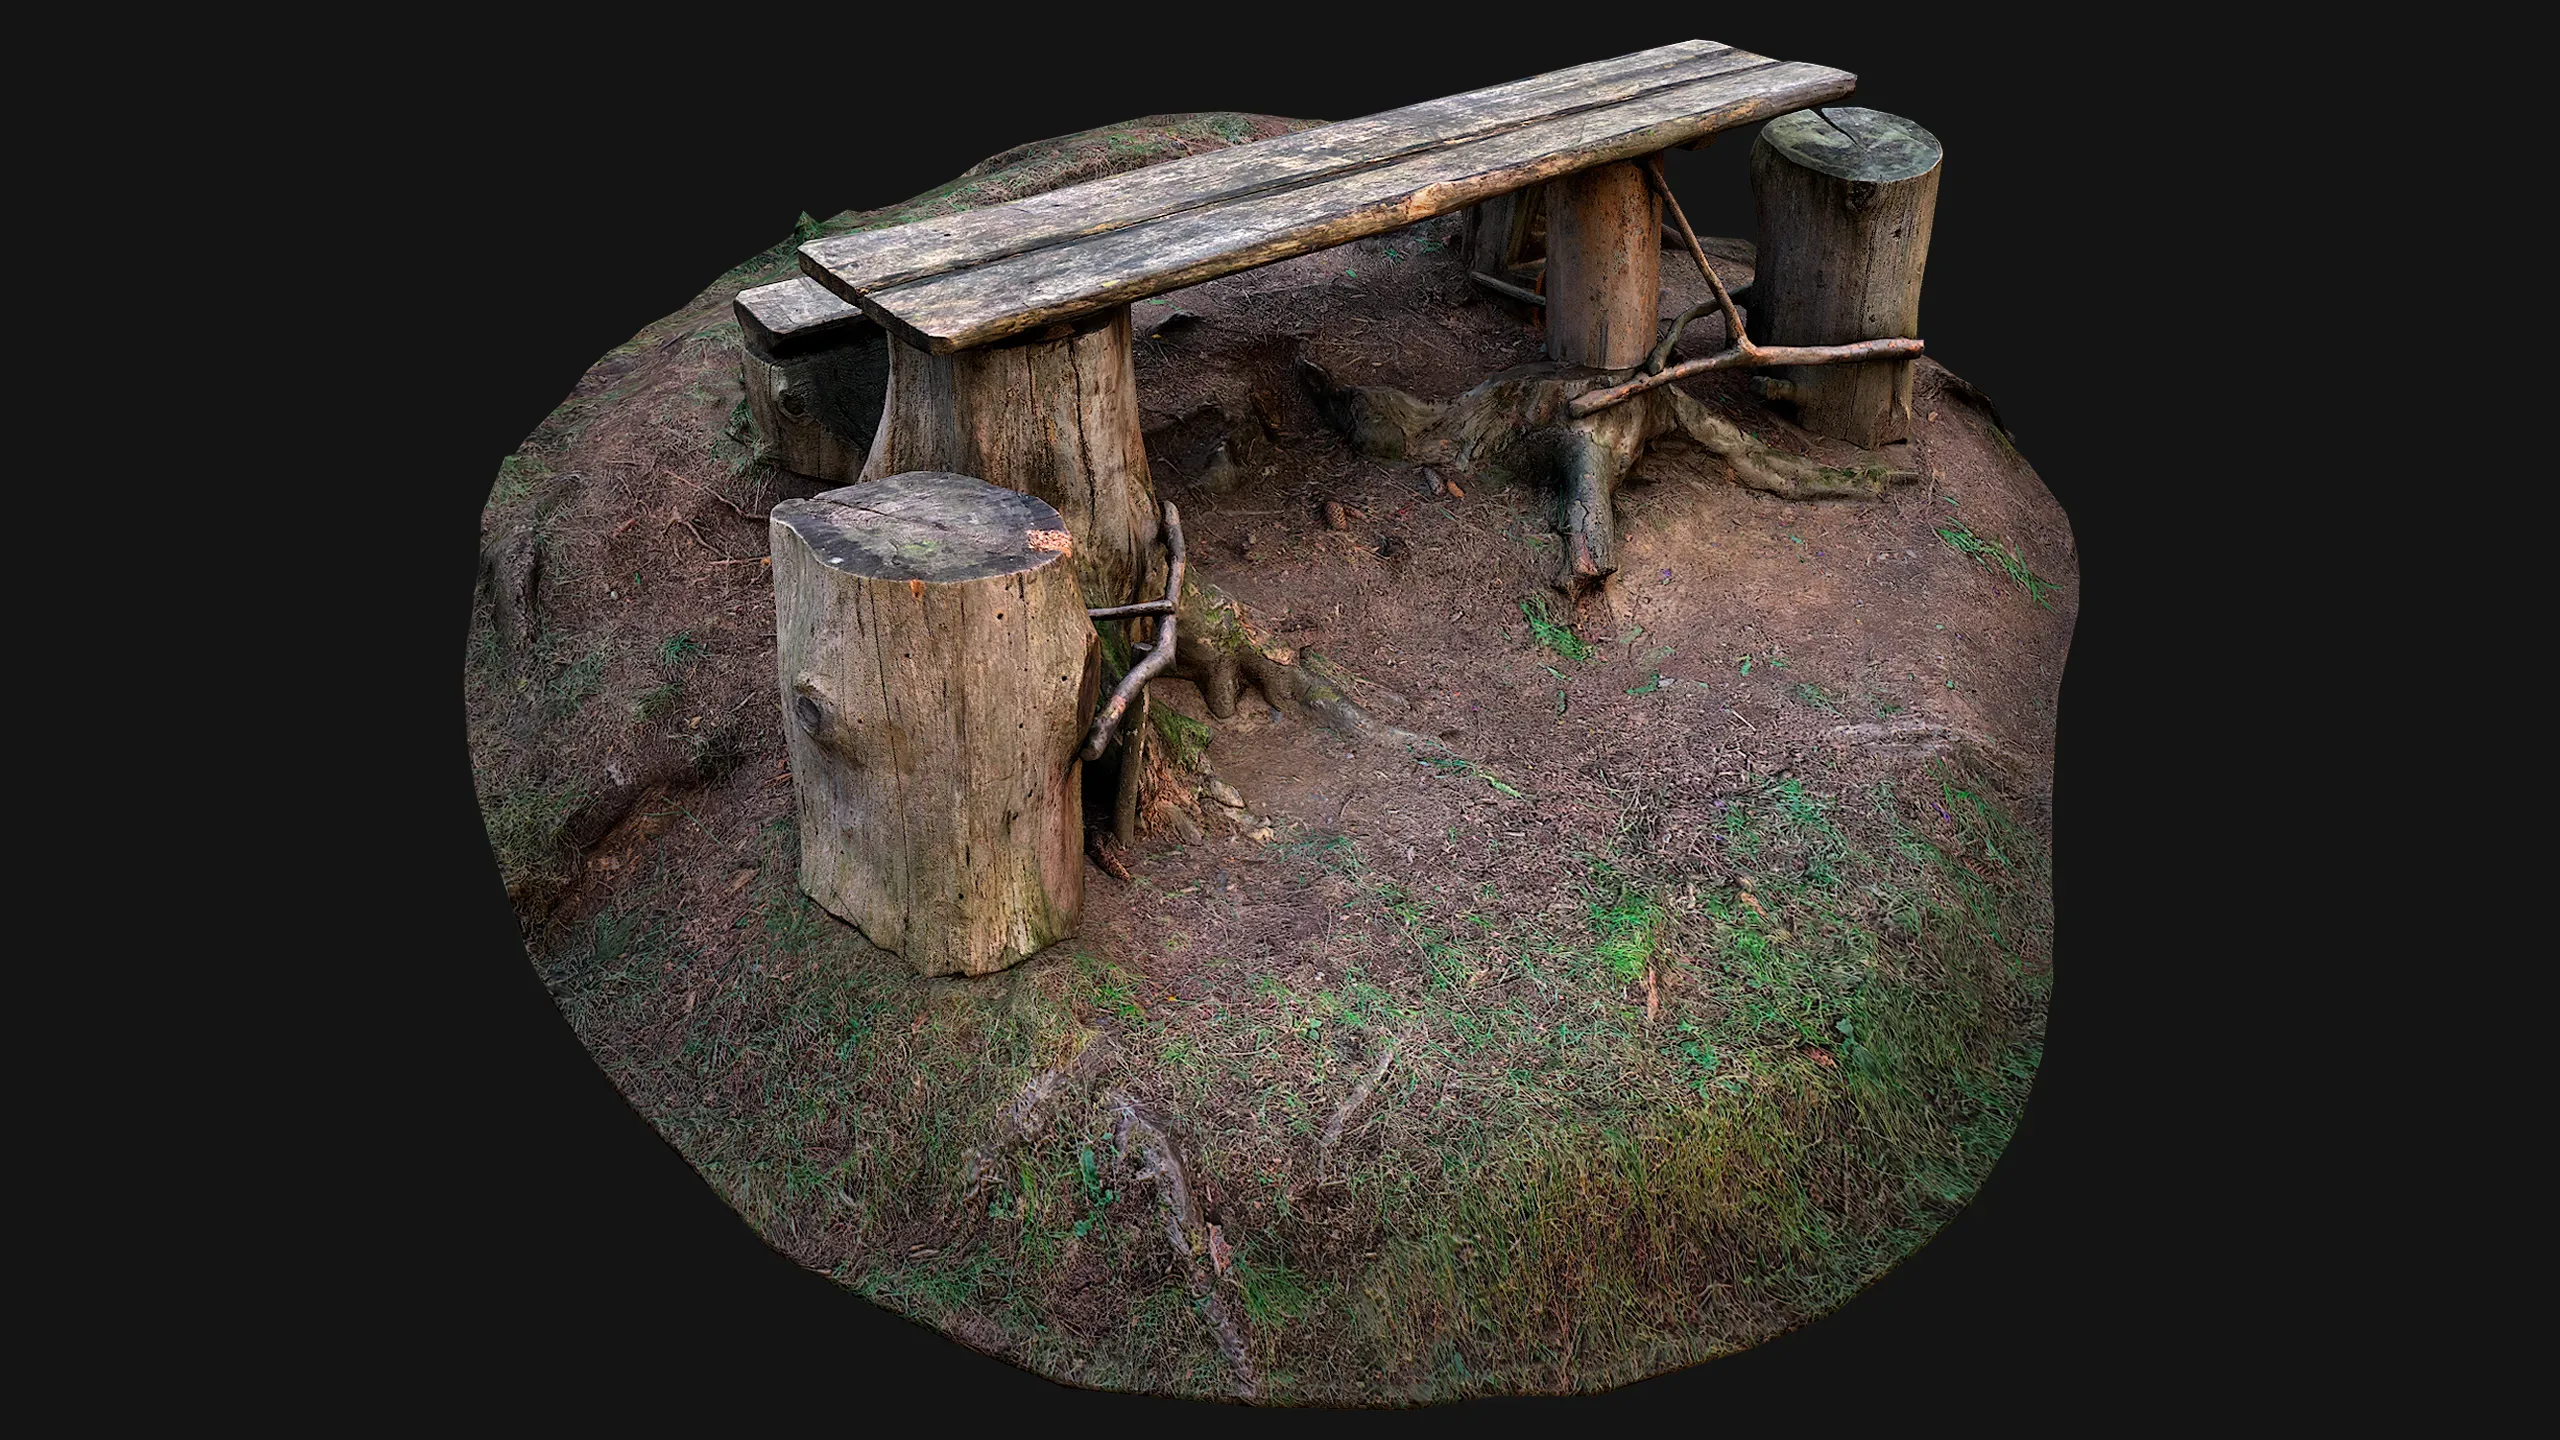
1846, 197
937, 673
816, 370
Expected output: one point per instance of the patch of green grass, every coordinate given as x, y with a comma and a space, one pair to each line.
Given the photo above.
658, 701
524, 827
1998, 558
518, 474
803, 230
1626, 922
1545, 631
1815, 697
678, 648
1450, 762
1274, 1293
576, 681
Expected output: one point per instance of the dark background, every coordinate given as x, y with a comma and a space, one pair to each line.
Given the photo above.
558, 193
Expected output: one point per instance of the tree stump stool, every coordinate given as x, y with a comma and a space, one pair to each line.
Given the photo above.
938, 672
1604, 266
816, 372
1846, 197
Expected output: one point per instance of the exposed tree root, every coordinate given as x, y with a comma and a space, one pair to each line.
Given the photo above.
982, 1166
1190, 1239
1219, 650
1359, 1094
1522, 420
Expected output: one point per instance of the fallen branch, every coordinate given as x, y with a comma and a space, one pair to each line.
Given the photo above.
1732, 318
1743, 355
1739, 358
743, 512
1182, 1223
1106, 720
1503, 287
1661, 355
1359, 1094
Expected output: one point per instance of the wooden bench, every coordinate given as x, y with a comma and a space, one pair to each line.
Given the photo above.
1008, 327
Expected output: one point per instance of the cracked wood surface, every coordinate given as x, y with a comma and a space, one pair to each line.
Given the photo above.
955, 282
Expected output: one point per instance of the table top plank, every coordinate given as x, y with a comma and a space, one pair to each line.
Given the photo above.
964, 307
874, 259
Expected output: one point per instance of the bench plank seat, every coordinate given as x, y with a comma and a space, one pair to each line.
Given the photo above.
958, 282
790, 317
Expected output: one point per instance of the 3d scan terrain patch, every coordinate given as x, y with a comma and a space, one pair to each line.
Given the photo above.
1514, 949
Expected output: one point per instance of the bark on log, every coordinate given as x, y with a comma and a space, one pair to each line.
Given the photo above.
937, 669
815, 379
1604, 266
1846, 198
1054, 417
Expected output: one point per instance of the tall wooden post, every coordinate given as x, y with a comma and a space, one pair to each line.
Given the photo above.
1846, 199
937, 673
1604, 266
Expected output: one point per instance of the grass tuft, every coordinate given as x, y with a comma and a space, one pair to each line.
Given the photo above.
1999, 559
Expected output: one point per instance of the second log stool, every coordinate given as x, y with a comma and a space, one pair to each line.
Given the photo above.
1846, 198
938, 672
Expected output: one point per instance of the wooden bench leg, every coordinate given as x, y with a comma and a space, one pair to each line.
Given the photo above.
1604, 266
1055, 416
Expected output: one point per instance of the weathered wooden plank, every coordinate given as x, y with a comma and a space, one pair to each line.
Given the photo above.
795, 315
982, 304
873, 259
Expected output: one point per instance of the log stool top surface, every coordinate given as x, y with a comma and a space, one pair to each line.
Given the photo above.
1854, 144
958, 281
927, 526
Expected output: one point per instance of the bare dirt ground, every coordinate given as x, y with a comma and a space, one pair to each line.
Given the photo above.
1693, 983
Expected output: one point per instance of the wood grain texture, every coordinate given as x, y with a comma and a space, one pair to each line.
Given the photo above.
880, 258
936, 669
1844, 242
1057, 419
817, 409
1604, 266
794, 315
970, 304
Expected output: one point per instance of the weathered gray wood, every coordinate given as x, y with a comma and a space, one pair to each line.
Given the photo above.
816, 371
1846, 198
1055, 418
936, 669
1604, 266
977, 304
790, 316
1497, 231
878, 258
